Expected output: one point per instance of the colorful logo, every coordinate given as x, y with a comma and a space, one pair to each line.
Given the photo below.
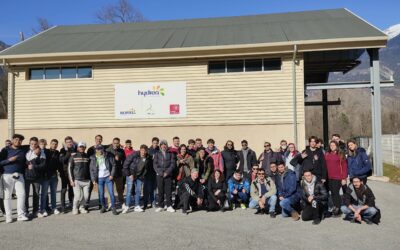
155, 91
174, 109
130, 111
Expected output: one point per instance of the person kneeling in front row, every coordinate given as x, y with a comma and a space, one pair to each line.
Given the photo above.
191, 192
263, 193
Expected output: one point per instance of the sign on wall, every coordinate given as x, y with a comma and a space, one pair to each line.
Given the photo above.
150, 100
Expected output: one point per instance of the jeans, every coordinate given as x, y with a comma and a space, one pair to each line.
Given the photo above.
287, 205
43, 195
35, 195
9, 184
149, 187
138, 190
271, 201
365, 214
239, 197
81, 193
105, 181
129, 186
53, 183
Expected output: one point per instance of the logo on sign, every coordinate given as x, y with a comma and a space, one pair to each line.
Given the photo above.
174, 109
155, 91
130, 111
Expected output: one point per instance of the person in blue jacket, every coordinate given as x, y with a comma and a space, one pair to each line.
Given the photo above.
358, 163
288, 191
238, 190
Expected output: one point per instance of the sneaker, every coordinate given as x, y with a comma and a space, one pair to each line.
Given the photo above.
243, 206
83, 210
45, 214
272, 215
170, 209
125, 209
75, 211
184, 212
316, 221
22, 218
138, 209
259, 211
9, 220
40, 215
295, 216
368, 221
114, 211
56, 211
103, 210
159, 209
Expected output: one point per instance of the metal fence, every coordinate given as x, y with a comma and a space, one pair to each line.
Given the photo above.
390, 148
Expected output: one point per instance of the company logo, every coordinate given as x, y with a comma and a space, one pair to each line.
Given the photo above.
174, 109
130, 111
155, 91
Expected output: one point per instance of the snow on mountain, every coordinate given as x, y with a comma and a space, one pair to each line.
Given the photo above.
392, 31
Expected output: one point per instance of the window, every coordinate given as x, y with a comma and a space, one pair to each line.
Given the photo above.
60, 73
84, 72
36, 74
272, 64
52, 73
68, 73
253, 65
235, 66
216, 67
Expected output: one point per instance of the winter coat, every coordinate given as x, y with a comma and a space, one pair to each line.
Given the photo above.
53, 164
193, 187
132, 166
94, 168
267, 158
359, 164
120, 162
185, 167
163, 164
363, 196
231, 159
287, 184
251, 159
78, 167
314, 162
255, 189
38, 168
205, 167
238, 185
288, 157
216, 155
336, 166
65, 155
320, 192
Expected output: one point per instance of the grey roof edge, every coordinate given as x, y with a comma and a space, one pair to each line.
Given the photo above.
365, 21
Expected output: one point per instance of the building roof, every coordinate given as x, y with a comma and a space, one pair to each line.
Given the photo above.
194, 33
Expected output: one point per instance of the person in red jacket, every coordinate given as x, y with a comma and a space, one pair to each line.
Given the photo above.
337, 174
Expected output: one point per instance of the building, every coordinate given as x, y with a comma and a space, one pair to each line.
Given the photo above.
222, 78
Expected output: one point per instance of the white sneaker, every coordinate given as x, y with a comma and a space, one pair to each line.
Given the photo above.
9, 220
170, 209
45, 214
125, 209
56, 211
22, 218
40, 215
159, 209
75, 211
138, 209
83, 210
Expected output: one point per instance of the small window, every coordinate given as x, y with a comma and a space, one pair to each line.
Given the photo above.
68, 73
84, 72
272, 64
36, 74
52, 73
253, 65
216, 67
235, 66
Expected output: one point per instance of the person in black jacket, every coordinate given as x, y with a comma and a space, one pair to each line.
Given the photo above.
164, 163
150, 182
102, 171
191, 192
217, 191
359, 202
79, 177
119, 156
34, 176
314, 198
65, 154
248, 159
230, 158
312, 159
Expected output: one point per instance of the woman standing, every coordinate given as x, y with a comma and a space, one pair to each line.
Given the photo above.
217, 191
205, 165
184, 162
337, 174
230, 158
358, 162
288, 156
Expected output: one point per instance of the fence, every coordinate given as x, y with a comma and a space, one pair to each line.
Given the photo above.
390, 148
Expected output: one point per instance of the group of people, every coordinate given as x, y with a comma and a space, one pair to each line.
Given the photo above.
189, 177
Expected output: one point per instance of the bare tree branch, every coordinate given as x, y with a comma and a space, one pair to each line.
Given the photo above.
121, 12
43, 25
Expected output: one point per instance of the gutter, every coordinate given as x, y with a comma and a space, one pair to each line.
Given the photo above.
11, 102
294, 63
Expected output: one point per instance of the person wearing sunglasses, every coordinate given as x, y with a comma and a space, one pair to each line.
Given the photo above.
231, 158
247, 158
263, 194
268, 156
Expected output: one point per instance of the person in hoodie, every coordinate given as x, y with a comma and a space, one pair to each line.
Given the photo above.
164, 163
34, 176
313, 159
191, 192
128, 148
79, 178
66, 152
288, 192
359, 202
12, 164
230, 158
289, 155
238, 190
263, 193
314, 198
247, 158
337, 174
102, 171
215, 154
135, 169
358, 162
268, 156
217, 191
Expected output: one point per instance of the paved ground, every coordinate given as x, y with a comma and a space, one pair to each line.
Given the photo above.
239, 229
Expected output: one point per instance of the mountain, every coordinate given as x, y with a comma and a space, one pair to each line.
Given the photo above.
392, 31
3, 45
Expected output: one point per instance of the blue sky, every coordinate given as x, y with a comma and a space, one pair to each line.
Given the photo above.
21, 15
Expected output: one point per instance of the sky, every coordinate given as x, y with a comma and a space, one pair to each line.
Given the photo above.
21, 15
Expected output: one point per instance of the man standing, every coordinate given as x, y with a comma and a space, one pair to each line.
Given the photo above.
79, 177
175, 145
12, 163
53, 166
66, 152
128, 148
247, 159
238, 190
268, 156
263, 193
191, 149
119, 156
336, 138
191, 192
287, 191
164, 163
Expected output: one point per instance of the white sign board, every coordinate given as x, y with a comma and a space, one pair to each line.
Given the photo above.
150, 100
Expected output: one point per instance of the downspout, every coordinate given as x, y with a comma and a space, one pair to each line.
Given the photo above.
11, 95
294, 62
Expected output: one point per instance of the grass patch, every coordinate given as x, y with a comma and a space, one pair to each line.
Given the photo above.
392, 172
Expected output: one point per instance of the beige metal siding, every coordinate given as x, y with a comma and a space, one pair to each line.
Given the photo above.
212, 99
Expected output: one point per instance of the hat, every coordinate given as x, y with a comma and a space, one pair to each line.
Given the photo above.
164, 142
194, 170
82, 144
